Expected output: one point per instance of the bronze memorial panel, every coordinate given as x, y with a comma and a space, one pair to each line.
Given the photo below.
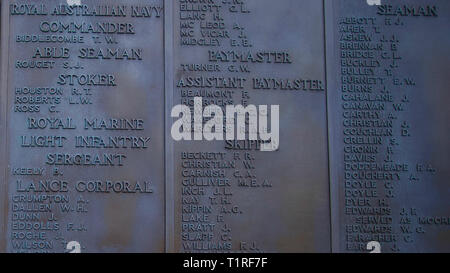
388, 125
83, 94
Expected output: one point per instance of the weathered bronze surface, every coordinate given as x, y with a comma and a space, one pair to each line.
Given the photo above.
89, 164
387, 78
261, 201
84, 136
